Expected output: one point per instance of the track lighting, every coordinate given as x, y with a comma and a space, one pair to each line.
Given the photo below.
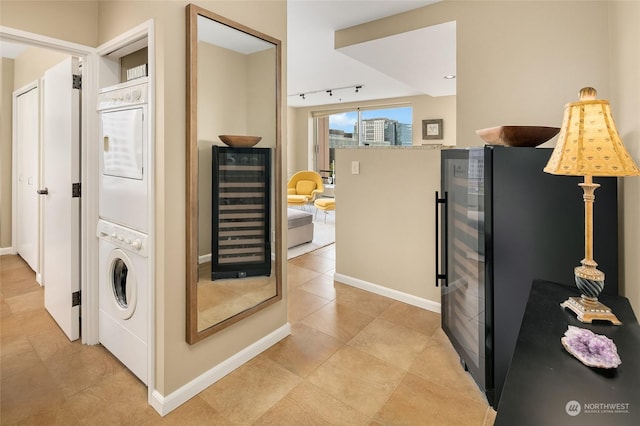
357, 88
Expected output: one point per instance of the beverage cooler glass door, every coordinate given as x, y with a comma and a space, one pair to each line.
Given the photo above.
241, 219
462, 236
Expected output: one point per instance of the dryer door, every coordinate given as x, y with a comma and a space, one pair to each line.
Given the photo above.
122, 142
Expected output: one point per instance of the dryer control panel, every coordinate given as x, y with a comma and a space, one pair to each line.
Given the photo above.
126, 238
131, 93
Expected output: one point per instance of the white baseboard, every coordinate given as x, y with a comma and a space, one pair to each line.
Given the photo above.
165, 404
6, 250
204, 258
390, 293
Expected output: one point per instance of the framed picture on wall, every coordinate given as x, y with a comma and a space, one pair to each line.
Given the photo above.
432, 129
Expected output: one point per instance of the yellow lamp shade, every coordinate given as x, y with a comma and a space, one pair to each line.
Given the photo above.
589, 144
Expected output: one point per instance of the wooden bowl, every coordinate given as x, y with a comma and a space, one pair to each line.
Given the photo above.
517, 136
238, 141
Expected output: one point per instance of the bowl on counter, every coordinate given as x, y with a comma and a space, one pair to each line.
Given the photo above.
517, 136
239, 141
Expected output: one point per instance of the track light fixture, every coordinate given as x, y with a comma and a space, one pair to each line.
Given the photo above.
357, 88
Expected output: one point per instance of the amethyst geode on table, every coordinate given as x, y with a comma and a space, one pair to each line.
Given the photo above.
594, 350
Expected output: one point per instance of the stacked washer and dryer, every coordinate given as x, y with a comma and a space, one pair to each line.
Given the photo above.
123, 225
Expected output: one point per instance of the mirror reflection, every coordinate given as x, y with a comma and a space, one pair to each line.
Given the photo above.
233, 74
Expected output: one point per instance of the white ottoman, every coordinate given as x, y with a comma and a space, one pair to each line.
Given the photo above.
300, 224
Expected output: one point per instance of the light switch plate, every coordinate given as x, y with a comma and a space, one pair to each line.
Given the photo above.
355, 167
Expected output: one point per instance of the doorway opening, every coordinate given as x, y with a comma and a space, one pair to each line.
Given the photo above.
33, 67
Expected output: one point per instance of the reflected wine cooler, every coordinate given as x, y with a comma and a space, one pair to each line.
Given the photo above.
241, 206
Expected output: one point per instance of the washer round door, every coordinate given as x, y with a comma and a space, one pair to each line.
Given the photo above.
121, 280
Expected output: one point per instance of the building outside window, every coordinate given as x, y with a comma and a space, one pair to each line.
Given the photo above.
390, 126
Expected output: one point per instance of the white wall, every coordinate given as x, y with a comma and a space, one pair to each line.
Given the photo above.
385, 221
625, 105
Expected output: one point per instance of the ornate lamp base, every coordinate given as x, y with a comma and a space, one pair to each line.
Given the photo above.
589, 280
588, 310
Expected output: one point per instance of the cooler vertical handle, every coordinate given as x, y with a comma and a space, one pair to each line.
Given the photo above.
445, 232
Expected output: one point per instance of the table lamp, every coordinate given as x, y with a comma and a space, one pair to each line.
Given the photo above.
589, 145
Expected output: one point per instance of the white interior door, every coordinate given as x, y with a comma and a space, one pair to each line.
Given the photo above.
61, 168
27, 128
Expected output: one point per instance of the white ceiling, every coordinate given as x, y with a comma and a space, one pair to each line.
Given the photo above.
11, 50
386, 68
218, 34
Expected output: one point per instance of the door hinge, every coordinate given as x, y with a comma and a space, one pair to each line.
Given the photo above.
75, 190
77, 82
75, 298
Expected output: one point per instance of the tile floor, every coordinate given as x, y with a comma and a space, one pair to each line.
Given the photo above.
354, 358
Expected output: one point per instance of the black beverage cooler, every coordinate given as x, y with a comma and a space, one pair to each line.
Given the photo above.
241, 212
502, 223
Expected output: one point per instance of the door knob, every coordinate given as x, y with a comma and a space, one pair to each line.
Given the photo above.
44, 191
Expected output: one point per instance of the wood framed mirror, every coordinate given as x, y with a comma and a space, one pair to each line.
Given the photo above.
233, 88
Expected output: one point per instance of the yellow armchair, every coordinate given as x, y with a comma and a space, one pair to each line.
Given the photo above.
304, 187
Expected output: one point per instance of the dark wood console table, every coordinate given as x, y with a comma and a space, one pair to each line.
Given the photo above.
547, 386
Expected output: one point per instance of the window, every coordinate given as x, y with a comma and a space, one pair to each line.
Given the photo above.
362, 127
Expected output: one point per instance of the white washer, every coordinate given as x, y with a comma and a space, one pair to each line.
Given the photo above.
124, 153
124, 295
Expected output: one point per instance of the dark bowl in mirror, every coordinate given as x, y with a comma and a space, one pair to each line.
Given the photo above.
517, 136
238, 141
